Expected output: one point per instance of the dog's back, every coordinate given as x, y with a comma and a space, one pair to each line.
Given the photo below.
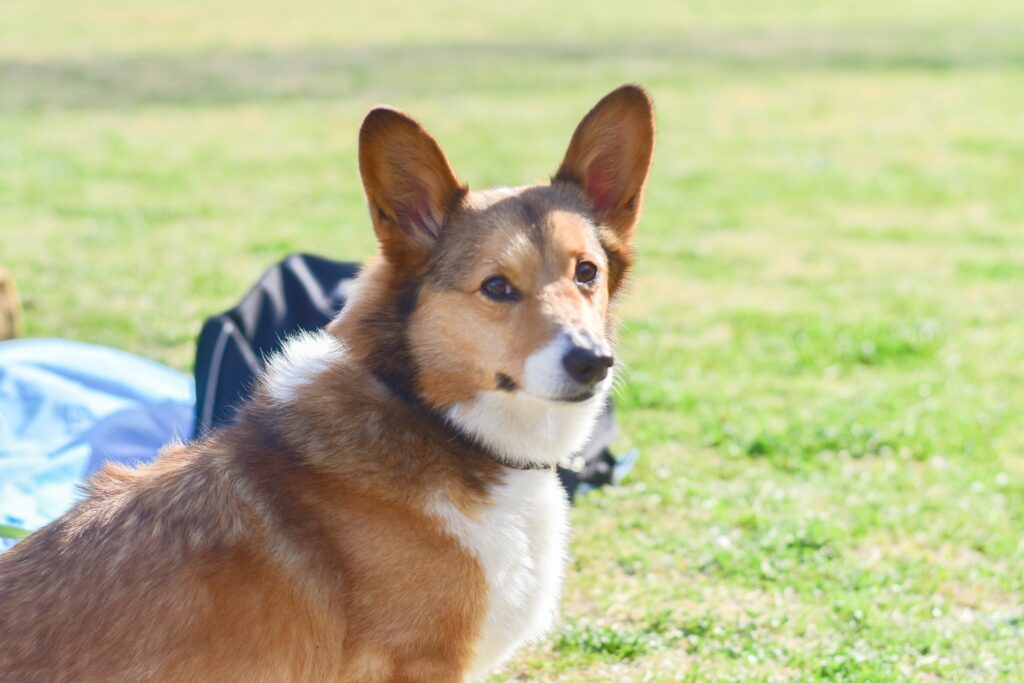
164, 573
127, 578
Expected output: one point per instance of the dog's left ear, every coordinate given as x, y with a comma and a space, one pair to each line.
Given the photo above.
609, 156
410, 186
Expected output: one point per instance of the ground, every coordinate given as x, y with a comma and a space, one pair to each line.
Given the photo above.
824, 340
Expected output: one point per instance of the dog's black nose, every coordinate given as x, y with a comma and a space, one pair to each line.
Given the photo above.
587, 366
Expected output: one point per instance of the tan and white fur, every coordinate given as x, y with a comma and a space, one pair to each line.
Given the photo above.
384, 508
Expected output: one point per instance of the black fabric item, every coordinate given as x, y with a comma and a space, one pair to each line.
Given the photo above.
304, 292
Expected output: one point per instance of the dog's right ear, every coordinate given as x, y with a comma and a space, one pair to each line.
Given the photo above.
410, 186
609, 157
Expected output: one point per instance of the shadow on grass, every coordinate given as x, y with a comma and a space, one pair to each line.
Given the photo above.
329, 72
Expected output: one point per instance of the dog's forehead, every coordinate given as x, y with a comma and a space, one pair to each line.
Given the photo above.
530, 201
513, 225
549, 216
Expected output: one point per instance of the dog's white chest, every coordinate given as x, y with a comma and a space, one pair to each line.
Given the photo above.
520, 542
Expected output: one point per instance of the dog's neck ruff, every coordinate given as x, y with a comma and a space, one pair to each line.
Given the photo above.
401, 390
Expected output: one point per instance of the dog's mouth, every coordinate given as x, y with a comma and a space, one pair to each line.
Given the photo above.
566, 399
580, 393
568, 394
578, 398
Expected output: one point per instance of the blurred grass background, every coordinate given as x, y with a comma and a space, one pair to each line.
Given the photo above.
824, 338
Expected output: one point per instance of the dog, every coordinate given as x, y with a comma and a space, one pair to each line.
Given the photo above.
384, 507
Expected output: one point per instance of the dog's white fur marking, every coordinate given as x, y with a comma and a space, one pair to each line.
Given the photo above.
520, 542
520, 539
304, 356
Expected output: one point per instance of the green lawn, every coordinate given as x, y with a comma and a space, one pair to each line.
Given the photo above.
824, 340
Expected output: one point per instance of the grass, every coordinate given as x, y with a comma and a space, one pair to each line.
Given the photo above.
7, 531
824, 340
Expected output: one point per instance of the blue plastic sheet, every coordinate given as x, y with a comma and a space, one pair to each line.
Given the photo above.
66, 408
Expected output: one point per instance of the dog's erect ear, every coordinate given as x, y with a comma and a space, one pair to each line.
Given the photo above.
410, 186
609, 156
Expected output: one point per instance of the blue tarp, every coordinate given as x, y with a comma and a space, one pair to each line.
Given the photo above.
66, 408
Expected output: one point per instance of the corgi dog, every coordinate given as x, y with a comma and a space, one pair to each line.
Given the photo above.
384, 508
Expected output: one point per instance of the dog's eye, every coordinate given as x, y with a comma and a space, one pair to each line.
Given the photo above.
586, 273
499, 289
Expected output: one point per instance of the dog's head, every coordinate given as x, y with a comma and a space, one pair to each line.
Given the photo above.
507, 291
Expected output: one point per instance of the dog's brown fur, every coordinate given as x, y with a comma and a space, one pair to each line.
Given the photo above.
10, 308
296, 544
